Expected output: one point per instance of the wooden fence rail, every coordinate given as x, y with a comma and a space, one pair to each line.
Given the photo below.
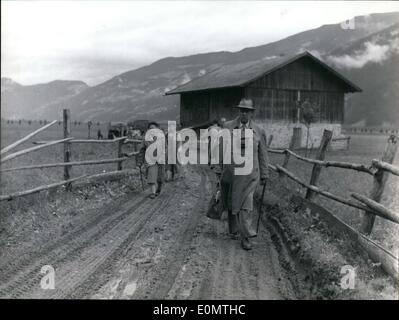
378, 169
317, 190
377, 208
84, 141
386, 167
67, 164
107, 175
13, 145
63, 164
25, 151
336, 164
370, 205
379, 181
38, 189
324, 163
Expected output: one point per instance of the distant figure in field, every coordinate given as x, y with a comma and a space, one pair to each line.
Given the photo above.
99, 135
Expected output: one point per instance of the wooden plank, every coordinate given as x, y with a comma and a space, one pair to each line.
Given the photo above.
323, 163
119, 155
269, 143
377, 208
28, 150
131, 154
63, 164
106, 176
38, 189
91, 178
386, 167
98, 141
67, 146
84, 141
277, 151
30, 135
273, 167
133, 141
380, 179
341, 138
291, 146
336, 164
319, 191
327, 135
297, 136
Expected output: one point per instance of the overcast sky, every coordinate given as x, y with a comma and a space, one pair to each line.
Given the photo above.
96, 40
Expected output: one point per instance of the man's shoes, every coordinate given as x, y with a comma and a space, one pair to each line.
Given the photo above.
246, 244
152, 196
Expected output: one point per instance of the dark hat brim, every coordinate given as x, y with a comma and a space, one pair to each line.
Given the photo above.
245, 107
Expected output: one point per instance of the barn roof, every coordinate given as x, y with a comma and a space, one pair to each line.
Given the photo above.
239, 75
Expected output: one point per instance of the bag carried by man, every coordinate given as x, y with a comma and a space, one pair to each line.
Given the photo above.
215, 209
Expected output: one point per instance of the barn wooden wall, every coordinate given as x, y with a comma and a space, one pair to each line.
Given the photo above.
302, 74
275, 96
281, 105
197, 108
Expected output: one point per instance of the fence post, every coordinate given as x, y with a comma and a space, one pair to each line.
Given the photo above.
287, 154
67, 145
380, 179
325, 141
119, 163
269, 143
89, 124
348, 141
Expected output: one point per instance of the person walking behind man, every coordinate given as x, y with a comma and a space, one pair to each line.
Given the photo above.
171, 169
221, 122
155, 172
238, 190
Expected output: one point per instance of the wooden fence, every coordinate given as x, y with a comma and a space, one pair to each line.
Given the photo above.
67, 164
378, 169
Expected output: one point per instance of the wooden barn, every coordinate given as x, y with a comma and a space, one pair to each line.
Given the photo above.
278, 87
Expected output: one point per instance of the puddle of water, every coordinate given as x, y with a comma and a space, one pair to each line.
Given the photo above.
130, 289
158, 255
109, 290
186, 293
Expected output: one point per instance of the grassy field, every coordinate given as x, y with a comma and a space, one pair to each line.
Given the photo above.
343, 182
26, 179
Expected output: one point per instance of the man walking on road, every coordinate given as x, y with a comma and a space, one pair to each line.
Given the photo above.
238, 190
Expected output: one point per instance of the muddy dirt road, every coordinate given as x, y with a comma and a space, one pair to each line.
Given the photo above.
152, 249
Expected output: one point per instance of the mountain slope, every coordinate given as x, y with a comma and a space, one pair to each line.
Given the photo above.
373, 64
36, 101
140, 93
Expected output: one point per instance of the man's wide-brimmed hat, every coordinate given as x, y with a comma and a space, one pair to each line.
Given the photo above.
246, 104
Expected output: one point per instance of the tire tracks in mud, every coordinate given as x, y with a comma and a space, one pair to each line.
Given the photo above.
164, 248
9, 268
219, 268
104, 269
82, 266
166, 272
27, 274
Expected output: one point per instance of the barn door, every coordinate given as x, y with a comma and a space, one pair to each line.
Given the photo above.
297, 138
